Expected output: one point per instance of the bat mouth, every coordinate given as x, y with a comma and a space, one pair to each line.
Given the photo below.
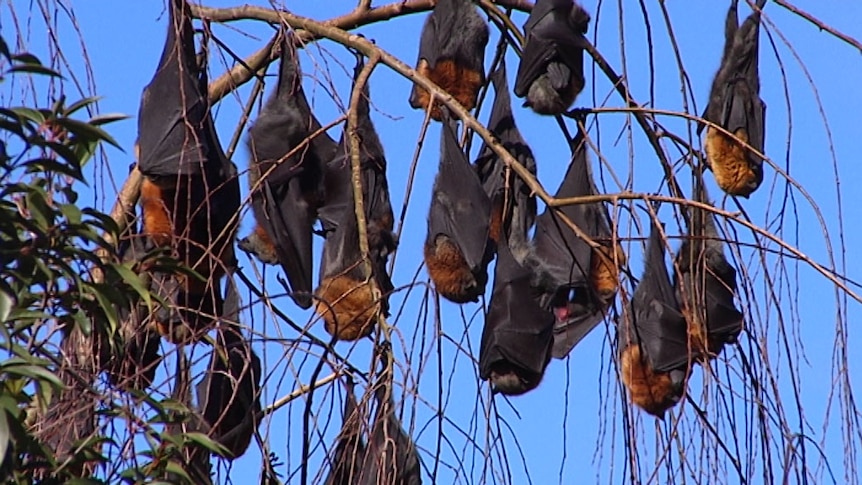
569, 303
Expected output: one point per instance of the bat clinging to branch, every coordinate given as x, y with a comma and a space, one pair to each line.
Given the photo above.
452, 54
190, 193
345, 298
654, 360
706, 283
286, 199
513, 208
229, 394
350, 448
735, 105
569, 280
518, 332
551, 73
391, 456
457, 249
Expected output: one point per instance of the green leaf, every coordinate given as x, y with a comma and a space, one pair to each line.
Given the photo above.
7, 301
87, 131
106, 118
208, 443
31, 114
33, 372
81, 103
132, 279
177, 469
5, 437
34, 69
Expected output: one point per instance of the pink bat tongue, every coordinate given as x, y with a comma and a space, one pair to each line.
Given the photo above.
561, 312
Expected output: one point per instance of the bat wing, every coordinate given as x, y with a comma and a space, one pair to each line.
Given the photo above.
392, 455
350, 447
517, 336
171, 131
459, 207
229, 393
658, 326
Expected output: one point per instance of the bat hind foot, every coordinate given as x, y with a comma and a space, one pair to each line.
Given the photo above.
347, 307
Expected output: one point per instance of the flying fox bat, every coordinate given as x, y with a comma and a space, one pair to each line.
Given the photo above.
706, 283
229, 394
345, 302
286, 199
655, 358
574, 280
457, 249
511, 200
551, 73
452, 54
391, 456
195, 459
518, 334
735, 105
350, 448
190, 193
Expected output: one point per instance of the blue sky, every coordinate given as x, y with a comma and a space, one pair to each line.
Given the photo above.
574, 428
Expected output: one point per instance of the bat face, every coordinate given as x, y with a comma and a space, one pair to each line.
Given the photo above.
391, 455
551, 73
452, 54
190, 193
654, 360
705, 286
456, 249
518, 332
735, 105
287, 190
511, 200
575, 282
344, 300
350, 447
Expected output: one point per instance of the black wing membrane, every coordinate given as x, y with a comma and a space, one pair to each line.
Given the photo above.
735, 105
190, 192
350, 450
229, 394
345, 302
563, 263
518, 332
706, 284
513, 208
551, 72
452, 54
391, 455
655, 352
457, 249
287, 190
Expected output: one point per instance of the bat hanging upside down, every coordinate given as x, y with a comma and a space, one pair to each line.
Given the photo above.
655, 358
190, 192
345, 298
551, 73
735, 105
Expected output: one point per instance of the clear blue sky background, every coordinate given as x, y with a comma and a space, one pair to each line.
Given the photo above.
571, 429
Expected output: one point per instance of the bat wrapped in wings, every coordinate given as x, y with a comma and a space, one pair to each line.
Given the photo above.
706, 283
452, 54
512, 204
518, 332
190, 192
551, 73
344, 299
654, 358
229, 394
457, 249
350, 448
391, 455
735, 105
287, 190
574, 280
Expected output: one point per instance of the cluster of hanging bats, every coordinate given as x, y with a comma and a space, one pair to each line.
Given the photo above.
549, 290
